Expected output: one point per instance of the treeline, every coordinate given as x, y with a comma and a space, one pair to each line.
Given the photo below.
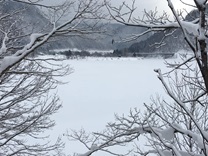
84, 53
116, 53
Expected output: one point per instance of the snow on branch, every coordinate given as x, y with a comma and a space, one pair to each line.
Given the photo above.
171, 128
88, 9
118, 135
183, 106
3, 45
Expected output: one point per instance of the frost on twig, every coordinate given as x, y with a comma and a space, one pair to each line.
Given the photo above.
175, 126
26, 100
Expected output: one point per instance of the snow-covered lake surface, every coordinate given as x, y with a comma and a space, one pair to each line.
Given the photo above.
102, 87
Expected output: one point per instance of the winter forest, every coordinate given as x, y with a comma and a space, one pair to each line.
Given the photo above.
103, 77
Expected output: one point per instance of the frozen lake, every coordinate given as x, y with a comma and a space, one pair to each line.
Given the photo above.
102, 87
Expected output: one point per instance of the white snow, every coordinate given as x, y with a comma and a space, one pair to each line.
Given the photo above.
3, 48
196, 137
101, 87
33, 37
8, 61
191, 28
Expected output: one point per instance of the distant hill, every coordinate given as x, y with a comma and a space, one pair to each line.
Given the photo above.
161, 42
24, 19
114, 32
30, 19
172, 43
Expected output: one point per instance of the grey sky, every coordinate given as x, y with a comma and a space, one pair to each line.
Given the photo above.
161, 5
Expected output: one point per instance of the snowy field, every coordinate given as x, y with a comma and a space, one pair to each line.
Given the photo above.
102, 87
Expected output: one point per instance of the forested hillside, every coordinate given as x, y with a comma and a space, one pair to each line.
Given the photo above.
169, 41
29, 18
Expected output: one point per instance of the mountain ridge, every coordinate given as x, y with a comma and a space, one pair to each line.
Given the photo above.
161, 42
32, 20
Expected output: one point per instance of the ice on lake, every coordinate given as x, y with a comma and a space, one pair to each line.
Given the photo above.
101, 87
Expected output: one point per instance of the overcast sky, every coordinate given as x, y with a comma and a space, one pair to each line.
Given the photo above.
161, 5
